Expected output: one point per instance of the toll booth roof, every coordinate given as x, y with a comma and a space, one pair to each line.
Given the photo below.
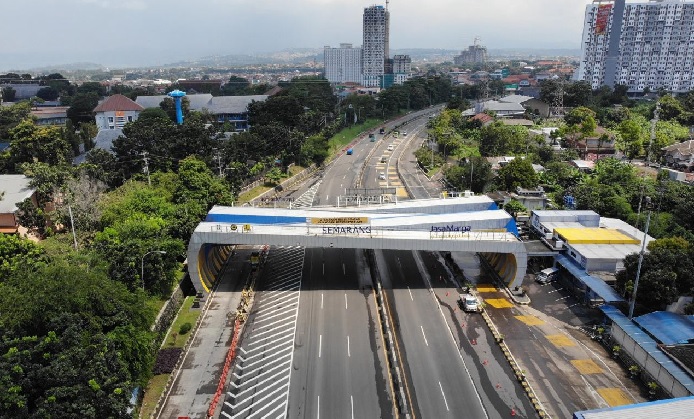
592, 235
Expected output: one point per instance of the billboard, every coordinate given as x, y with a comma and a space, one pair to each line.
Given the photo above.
340, 220
602, 18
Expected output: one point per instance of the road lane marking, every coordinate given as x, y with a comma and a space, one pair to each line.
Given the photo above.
498, 302
410, 291
320, 344
444, 396
560, 340
345, 301
562, 298
586, 366
530, 320
349, 354
425, 337
321, 301
318, 409
351, 399
327, 197
613, 396
344, 271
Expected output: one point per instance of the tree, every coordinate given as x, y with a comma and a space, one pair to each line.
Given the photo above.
631, 138
459, 176
518, 172
8, 94
601, 198
514, 207
82, 107
235, 86
48, 93
151, 113
32, 143
499, 139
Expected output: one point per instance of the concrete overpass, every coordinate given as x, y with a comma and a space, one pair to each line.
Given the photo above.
465, 224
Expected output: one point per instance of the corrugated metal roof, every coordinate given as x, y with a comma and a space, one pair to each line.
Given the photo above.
669, 328
597, 285
16, 188
680, 408
649, 345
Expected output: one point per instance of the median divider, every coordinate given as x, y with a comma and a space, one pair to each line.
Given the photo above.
397, 379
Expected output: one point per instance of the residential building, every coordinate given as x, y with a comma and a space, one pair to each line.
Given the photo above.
342, 64
680, 156
50, 115
116, 111
644, 45
402, 64
232, 109
375, 47
13, 190
474, 54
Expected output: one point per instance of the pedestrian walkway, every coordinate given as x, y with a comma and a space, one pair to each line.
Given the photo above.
259, 386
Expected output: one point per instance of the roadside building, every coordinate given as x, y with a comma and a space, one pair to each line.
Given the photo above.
589, 250
14, 189
680, 156
116, 111
232, 109
680, 408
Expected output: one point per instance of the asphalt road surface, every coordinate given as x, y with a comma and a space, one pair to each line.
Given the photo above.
337, 369
441, 386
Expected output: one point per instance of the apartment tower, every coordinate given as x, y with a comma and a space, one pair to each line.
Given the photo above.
375, 46
342, 64
646, 44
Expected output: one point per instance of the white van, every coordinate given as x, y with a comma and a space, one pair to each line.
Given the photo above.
548, 275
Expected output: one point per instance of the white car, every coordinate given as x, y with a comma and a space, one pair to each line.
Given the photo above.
404, 133
390, 147
382, 176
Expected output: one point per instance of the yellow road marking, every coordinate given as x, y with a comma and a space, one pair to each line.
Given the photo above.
486, 288
586, 366
560, 340
498, 302
530, 320
614, 396
401, 192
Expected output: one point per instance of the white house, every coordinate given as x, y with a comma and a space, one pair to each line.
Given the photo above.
116, 111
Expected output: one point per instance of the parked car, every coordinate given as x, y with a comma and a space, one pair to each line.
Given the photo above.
382, 176
546, 276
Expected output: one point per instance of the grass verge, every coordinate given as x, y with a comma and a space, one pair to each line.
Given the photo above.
261, 189
155, 387
344, 137
186, 315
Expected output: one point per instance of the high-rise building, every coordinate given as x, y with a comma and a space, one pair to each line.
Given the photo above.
375, 46
342, 64
649, 44
474, 54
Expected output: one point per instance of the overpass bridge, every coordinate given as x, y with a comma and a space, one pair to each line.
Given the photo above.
461, 224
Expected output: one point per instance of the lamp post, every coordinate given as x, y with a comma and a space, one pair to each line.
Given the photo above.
142, 265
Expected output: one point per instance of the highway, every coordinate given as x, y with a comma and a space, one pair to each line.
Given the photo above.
441, 386
338, 370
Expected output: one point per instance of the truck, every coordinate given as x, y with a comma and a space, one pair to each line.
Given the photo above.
546, 276
469, 301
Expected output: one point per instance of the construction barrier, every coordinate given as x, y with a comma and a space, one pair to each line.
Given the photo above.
231, 354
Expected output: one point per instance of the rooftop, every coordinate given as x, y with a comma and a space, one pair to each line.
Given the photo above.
595, 235
16, 189
118, 103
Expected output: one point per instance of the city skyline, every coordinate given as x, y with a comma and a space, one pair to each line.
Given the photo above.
155, 32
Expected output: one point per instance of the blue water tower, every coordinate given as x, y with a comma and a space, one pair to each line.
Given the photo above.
177, 95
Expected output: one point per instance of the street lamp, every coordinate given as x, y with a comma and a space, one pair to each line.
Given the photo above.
142, 265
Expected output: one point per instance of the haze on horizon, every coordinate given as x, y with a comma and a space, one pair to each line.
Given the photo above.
128, 33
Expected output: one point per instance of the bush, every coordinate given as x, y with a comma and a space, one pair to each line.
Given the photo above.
166, 360
185, 328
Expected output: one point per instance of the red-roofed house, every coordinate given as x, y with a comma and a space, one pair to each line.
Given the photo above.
116, 111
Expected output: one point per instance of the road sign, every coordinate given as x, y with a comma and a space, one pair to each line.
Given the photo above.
369, 191
340, 220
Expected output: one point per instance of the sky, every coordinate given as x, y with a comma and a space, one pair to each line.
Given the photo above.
151, 32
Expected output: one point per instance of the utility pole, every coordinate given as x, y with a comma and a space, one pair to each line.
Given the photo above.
218, 157
632, 304
146, 168
654, 122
